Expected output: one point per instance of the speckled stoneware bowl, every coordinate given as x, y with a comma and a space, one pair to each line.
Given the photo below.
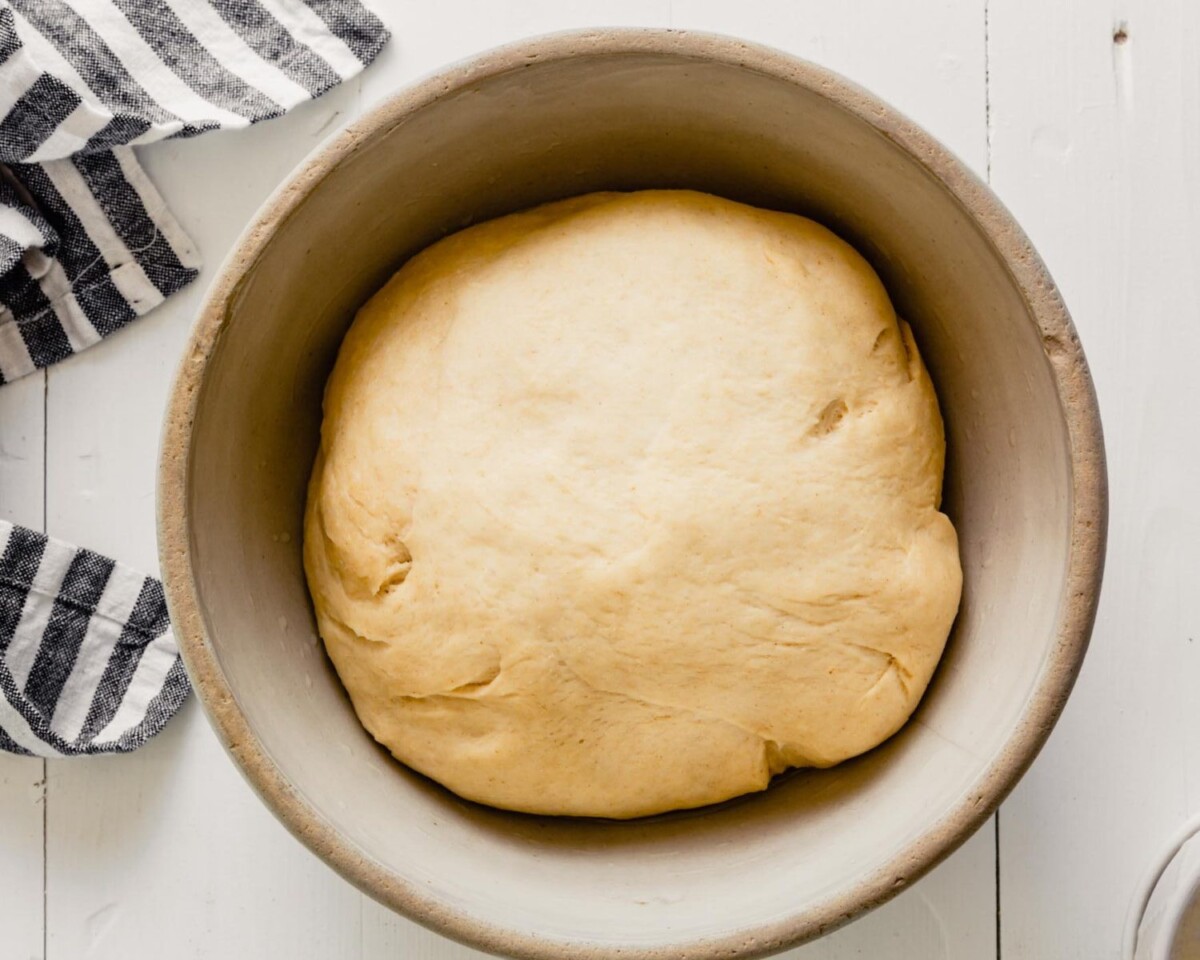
622, 110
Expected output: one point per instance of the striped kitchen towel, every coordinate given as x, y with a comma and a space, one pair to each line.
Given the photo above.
86, 243
88, 663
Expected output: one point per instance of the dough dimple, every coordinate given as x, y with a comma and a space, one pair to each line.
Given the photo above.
629, 502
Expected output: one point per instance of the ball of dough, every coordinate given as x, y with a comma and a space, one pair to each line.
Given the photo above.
629, 502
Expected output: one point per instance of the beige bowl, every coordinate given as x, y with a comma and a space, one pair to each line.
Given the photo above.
622, 110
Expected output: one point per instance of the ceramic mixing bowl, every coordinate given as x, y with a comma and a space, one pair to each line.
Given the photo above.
624, 110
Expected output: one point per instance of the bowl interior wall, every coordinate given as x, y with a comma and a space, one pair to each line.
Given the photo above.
554, 129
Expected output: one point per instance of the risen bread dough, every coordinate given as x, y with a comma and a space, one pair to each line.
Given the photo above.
627, 503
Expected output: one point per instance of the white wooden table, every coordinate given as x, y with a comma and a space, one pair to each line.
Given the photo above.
1084, 115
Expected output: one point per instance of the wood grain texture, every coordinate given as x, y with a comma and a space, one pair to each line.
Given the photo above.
21, 856
169, 845
22, 452
1096, 123
21, 778
928, 62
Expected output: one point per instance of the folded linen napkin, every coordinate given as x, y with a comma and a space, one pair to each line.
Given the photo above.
87, 660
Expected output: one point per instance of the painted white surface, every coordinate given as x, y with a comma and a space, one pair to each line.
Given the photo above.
21, 778
1094, 147
168, 853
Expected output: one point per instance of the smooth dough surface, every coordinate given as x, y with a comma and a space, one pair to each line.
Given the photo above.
628, 502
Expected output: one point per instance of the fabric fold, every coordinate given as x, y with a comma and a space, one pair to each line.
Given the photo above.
88, 662
114, 253
86, 242
84, 76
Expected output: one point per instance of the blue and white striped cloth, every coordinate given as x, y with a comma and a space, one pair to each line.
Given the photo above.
88, 663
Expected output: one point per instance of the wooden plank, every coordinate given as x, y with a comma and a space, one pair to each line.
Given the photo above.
21, 778
169, 847
21, 855
1095, 113
928, 64
22, 453
430, 36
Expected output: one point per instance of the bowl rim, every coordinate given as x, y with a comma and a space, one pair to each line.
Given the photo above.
1088, 521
